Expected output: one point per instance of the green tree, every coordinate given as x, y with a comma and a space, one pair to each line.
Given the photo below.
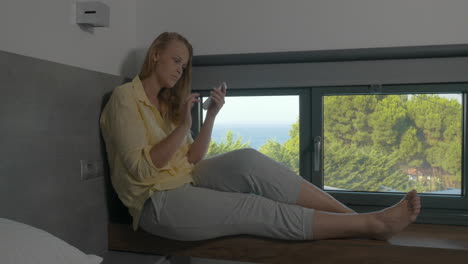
387, 122
421, 133
411, 148
362, 169
438, 121
228, 144
372, 143
288, 153
346, 119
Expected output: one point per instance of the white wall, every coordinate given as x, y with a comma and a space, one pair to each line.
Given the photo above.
244, 26
44, 29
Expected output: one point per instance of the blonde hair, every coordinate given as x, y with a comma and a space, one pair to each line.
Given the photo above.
171, 99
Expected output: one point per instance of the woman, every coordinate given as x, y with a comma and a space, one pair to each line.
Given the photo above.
159, 173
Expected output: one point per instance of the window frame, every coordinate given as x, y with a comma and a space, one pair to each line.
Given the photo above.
437, 209
304, 120
435, 206
348, 69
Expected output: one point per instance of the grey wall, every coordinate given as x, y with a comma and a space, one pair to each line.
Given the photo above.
49, 121
49, 115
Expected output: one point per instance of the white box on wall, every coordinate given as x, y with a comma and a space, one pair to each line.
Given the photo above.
92, 13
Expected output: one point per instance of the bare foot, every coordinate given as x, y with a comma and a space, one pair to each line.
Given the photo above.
392, 220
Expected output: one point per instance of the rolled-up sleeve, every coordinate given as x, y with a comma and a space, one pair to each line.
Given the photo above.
129, 137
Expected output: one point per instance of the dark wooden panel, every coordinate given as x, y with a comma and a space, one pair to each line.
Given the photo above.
262, 250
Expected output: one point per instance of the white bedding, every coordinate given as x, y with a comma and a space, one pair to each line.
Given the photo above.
21, 243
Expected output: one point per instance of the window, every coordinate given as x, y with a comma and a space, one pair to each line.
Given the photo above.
269, 124
376, 144
411, 154
393, 143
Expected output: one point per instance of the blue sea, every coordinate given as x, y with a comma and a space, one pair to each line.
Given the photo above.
257, 134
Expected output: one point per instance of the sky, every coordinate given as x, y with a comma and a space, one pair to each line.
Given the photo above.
282, 109
458, 97
260, 110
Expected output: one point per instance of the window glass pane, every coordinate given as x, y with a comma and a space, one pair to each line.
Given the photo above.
388, 143
269, 124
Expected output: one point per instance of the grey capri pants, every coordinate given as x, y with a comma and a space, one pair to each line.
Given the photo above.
238, 192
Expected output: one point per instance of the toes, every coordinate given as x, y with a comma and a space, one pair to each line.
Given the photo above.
417, 201
411, 194
416, 206
414, 202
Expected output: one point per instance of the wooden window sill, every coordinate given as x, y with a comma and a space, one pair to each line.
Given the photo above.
417, 243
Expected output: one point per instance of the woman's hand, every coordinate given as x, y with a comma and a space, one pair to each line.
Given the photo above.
217, 101
200, 146
187, 109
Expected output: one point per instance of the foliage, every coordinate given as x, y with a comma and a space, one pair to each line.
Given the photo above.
288, 154
361, 168
379, 142
228, 144
415, 139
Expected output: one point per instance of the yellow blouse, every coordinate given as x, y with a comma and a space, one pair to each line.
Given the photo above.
131, 126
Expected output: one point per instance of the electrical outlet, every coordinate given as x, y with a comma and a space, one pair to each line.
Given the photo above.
91, 169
